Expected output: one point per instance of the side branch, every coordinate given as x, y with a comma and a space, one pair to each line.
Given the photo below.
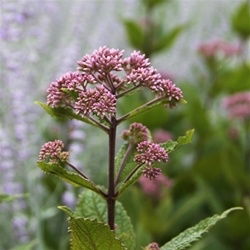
145, 107
98, 124
77, 170
123, 164
128, 91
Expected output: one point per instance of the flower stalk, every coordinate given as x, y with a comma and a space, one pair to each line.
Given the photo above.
111, 198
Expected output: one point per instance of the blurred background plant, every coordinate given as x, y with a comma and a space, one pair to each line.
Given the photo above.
202, 46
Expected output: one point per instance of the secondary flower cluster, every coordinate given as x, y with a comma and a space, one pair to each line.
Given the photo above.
52, 152
102, 76
213, 48
150, 153
238, 105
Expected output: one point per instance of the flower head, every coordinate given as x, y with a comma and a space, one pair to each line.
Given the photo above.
170, 91
238, 105
135, 60
102, 60
72, 80
136, 133
147, 77
52, 152
150, 153
98, 101
151, 79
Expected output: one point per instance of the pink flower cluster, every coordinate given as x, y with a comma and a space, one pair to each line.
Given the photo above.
98, 101
151, 173
155, 187
150, 153
57, 96
95, 87
52, 151
238, 105
213, 48
102, 60
136, 133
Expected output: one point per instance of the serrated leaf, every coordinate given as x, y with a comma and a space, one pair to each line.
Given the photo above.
92, 235
67, 176
135, 33
93, 206
63, 113
167, 40
186, 238
170, 145
66, 210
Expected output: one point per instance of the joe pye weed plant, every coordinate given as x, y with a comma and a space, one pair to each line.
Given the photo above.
91, 95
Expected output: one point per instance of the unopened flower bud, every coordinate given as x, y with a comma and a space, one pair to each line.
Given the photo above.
52, 152
136, 133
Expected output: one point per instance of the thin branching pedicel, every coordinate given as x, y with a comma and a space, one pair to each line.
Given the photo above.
92, 93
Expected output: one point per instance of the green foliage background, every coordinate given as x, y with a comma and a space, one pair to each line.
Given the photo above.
210, 175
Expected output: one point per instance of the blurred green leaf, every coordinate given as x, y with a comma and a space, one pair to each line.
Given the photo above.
27, 246
92, 235
234, 80
67, 176
168, 39
186, 238
135, 33
8, 198
92, 206
153, 3
241, 20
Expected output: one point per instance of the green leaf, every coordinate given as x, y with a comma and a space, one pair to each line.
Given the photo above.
131, 181
119, 156
66, 210
62, 113
67, 176
135, 33
187, 138
92, 235
240, 20
186, 238
93, 206
182, 140
8, 198
167, 40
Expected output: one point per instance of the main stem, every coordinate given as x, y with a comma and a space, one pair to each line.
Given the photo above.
111, 199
